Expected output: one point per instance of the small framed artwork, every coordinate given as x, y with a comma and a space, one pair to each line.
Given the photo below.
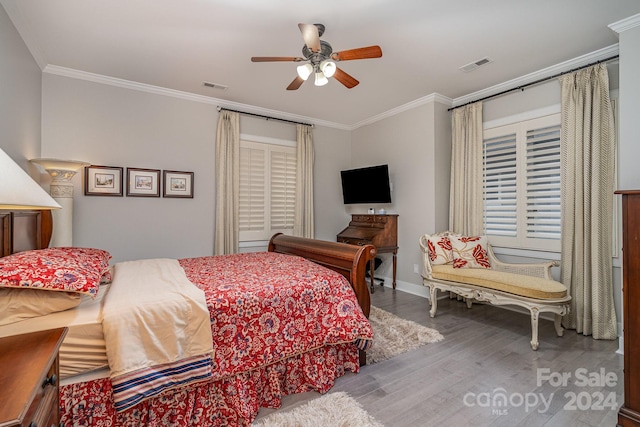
143, 182
177, 184
102, 181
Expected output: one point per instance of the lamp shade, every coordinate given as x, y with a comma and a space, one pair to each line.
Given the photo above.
18, 190
328, 68
304, 71
321, 80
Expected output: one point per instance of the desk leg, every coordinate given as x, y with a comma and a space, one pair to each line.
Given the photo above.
394, 268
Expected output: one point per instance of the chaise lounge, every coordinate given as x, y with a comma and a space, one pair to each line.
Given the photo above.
467, 267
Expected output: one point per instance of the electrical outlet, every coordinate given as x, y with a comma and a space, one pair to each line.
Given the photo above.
416, 269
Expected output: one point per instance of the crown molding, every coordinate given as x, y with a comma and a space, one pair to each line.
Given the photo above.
577, 62
562, 67
434, 97
626, 24
25, 30
158, 90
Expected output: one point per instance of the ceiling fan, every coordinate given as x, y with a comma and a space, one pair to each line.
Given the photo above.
321, 59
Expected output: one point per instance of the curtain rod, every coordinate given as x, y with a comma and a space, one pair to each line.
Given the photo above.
522, 87
264, 117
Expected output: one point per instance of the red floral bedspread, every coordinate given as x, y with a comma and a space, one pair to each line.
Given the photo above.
280, 325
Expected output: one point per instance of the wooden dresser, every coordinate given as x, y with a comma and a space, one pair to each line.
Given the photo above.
629, 414
29, 379
380, 231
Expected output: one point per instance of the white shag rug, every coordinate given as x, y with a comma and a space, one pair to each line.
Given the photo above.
393, 335
331, 410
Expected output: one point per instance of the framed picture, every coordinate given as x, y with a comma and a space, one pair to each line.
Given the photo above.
143, 182
177, 184
102, 181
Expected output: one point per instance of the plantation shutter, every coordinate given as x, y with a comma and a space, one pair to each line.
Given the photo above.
522, 184
543, 183
267, 189
500, 196
283, 190
252, 189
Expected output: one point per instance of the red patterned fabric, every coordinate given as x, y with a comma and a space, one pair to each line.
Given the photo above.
440, 250
233, 401
280, 325
56, 269
470, 252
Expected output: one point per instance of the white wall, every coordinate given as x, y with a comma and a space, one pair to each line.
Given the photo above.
20, 102
112, 126
115, 126
533, 98
416, 144
629, 173
332, 154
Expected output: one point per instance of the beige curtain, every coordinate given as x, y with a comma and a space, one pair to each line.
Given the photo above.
303, 220
227, 183
587, 155
466, 206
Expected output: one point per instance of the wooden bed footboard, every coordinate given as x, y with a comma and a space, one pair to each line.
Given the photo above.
349, 260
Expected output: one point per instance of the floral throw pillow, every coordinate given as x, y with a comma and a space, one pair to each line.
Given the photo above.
439, 249
56, 269
470, 252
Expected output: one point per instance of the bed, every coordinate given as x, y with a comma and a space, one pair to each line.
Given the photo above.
289, 320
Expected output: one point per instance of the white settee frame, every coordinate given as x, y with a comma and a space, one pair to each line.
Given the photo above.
559, 307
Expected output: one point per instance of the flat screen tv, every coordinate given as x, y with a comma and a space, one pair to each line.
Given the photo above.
366, 185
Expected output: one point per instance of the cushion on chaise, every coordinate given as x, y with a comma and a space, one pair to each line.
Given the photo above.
517, 284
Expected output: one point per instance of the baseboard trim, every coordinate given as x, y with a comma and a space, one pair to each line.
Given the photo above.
410, 288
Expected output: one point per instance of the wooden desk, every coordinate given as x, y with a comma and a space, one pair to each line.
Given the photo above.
380, 231
29, 379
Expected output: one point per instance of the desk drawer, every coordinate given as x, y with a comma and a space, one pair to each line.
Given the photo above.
352, 241
46, 414
370, 219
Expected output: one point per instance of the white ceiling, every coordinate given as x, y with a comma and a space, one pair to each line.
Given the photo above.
179, 44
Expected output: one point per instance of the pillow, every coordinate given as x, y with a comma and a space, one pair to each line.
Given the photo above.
107, 277
470, 251
20, 304
56, 269
440, 248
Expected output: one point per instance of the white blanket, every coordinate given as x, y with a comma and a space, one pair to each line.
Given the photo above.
157, 330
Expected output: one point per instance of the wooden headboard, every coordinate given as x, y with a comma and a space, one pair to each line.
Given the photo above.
24, 230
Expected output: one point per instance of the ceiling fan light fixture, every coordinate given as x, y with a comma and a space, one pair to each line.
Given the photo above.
304, 71
328, 68
321, 79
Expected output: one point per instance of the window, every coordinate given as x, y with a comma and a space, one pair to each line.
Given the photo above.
267, 189
522, 184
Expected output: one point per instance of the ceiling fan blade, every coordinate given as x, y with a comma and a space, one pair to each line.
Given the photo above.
295, 84
359, 53
276, 59
345, 79
311, 36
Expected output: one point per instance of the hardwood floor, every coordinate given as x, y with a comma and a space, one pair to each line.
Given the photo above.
485, 356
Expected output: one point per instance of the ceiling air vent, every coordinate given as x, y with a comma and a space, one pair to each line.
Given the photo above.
215, 85
472, 66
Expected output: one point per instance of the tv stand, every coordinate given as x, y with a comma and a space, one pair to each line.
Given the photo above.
378, 230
